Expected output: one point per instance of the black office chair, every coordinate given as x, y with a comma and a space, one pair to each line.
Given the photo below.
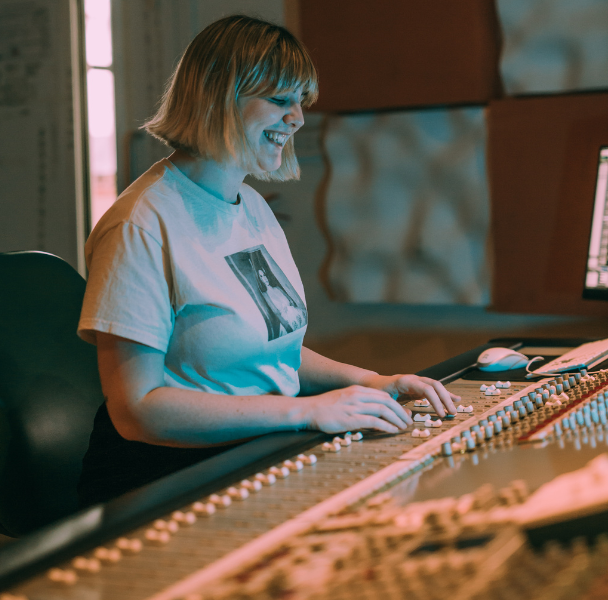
49, 390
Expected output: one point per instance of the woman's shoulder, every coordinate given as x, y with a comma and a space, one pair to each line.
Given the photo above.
149, 193
143, 204
250, 195
258, 205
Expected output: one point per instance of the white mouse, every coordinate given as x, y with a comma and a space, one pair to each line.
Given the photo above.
501, 359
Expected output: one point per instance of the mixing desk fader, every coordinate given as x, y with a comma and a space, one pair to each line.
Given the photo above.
363, 514
472, 546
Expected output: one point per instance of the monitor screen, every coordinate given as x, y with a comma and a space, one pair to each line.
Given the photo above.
596, 277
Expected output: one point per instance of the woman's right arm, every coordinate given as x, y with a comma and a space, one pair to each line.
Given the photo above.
143, 409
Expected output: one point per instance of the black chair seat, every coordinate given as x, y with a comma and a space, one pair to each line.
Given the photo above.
49, 390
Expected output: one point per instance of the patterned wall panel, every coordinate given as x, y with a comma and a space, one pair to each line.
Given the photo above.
554, 45
407, 207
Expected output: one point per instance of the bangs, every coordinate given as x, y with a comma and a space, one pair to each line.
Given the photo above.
235, 56
281, 65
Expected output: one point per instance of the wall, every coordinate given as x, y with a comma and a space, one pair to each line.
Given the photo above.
388, 197
42, 139
371, 182
149, 37
407, 204
382, 336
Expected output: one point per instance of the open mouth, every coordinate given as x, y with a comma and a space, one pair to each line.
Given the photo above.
276, 138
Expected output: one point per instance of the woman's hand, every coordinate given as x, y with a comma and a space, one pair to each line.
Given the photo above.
412, 387
356, 407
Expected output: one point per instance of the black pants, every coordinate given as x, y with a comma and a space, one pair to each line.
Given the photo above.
113, 465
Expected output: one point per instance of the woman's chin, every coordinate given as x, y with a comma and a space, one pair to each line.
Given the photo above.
263, 169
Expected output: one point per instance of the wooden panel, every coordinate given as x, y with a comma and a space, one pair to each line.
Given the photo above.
542, 162
388, 54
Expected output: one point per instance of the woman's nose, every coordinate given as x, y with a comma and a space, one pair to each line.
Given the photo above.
294, 117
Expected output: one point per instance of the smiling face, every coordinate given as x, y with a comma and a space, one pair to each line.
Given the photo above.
268, 124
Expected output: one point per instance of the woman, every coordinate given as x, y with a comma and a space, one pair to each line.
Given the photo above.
187, 365
290, 316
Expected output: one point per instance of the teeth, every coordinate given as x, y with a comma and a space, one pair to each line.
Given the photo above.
278, 138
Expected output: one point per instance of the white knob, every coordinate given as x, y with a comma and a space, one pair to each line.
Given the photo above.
239, 493
156, 537
279, 472
252, 486
204, 508
269, 479
184, 518
129, 546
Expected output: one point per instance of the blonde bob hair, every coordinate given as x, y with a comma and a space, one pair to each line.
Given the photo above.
235, 56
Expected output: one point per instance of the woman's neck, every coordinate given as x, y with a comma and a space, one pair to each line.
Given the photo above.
222, 180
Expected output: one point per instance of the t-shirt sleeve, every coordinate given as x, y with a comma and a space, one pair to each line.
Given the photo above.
128, 290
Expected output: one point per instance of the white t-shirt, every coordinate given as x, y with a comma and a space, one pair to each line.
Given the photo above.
173, 267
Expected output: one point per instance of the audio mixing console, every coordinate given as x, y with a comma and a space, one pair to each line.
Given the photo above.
443, 510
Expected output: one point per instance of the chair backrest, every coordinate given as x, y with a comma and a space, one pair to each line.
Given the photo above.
49, 390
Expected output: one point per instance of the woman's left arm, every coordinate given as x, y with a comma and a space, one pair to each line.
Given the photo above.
319, 374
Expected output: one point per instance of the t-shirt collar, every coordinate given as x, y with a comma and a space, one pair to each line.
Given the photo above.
200, 193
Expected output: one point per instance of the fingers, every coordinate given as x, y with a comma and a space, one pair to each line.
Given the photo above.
373, 403
446, 398
404, 414
392, 405
359, 407
371, 422
432, 390
384, 412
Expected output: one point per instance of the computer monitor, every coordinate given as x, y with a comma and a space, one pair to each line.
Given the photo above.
596, 276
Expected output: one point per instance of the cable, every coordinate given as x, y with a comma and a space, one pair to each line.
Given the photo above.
541, 374
530, 374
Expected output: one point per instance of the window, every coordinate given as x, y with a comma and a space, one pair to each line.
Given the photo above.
100, 92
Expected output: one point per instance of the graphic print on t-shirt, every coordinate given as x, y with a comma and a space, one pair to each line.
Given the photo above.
278, 301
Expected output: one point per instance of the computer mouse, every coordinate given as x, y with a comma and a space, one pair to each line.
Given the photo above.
501, 359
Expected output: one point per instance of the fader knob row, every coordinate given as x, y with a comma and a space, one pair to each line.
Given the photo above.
551, 394
82, 565
586, 390
587, 415
161, 530
337, 443
504, 418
